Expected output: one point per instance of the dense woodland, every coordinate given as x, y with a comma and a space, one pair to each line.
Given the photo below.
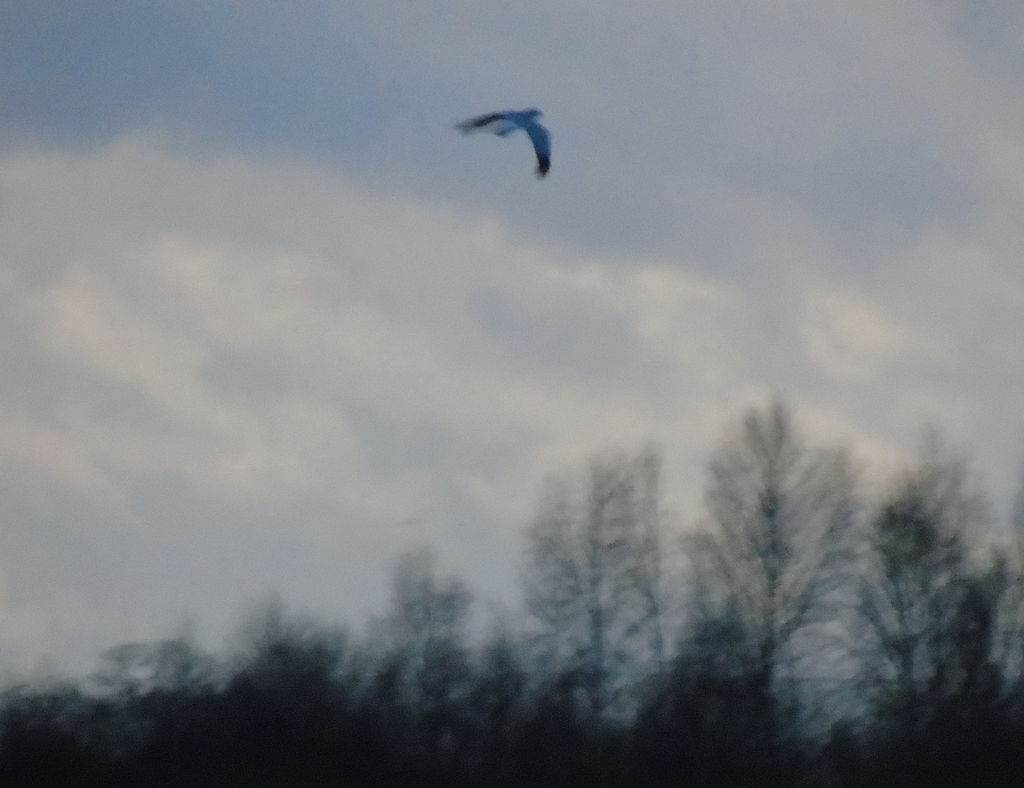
806, 628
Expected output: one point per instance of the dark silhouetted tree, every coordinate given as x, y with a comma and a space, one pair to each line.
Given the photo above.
424, 665
915, 584
712, 723
933, 608
774, 557
788, 582
594, 579
286, 713
48, 737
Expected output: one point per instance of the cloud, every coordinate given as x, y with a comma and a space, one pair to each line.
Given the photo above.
866, 118
304, 289
243, 336
267, 318
246, 337
854, 341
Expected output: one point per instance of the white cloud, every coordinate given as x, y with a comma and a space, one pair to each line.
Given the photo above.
263, 344
855, 341
209, 332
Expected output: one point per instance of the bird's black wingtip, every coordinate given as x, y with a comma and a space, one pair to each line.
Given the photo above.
543, 165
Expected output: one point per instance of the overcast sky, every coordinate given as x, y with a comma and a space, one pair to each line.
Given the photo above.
266, 319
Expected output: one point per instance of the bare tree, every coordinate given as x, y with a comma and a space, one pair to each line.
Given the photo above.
648, 551
594, 576
1011, 620
423, 669
131, 670
775, 554
425, 631
930, 610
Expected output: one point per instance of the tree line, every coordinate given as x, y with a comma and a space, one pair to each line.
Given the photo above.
812, 629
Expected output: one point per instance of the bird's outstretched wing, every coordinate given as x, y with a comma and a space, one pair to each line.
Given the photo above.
504, 123
541, 144
494, 122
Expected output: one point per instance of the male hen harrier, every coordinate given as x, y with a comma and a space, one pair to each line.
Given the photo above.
504, 123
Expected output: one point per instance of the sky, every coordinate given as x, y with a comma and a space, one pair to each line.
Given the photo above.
267, 319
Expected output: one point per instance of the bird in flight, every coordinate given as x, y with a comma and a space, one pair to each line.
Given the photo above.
504, 123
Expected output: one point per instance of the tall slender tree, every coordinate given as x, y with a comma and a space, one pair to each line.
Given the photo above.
594, 577
424, 670
774, 555
929, 608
